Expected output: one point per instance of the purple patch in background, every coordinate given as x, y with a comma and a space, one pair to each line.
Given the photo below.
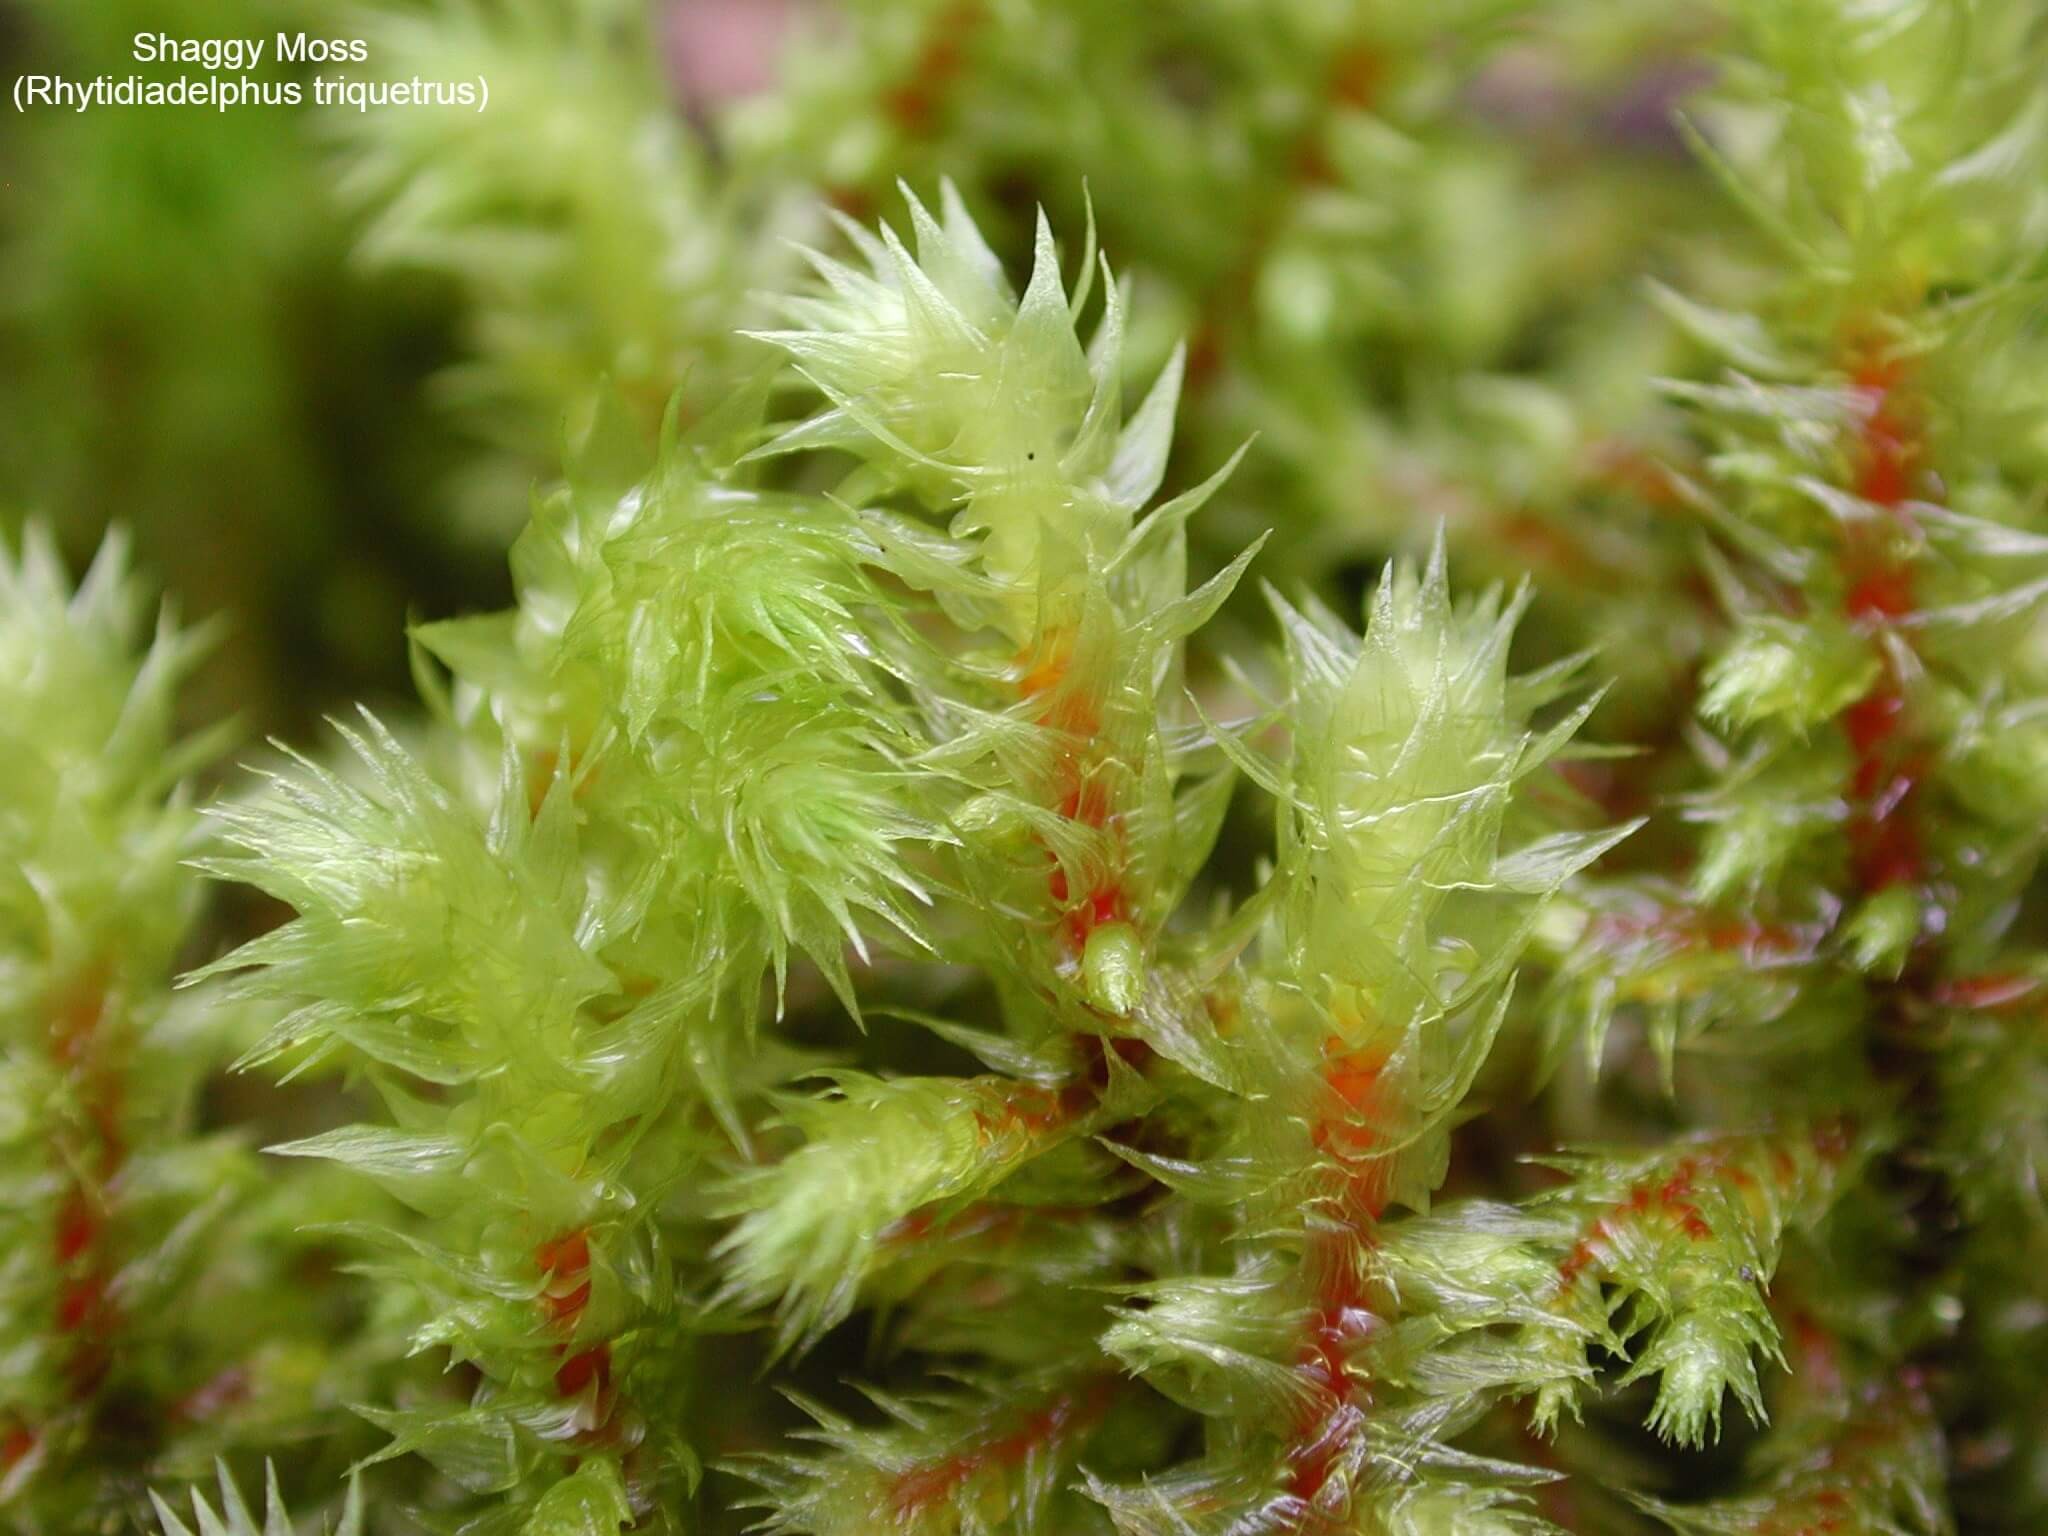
720, 50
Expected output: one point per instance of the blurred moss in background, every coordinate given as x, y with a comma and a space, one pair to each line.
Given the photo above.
187, 347
318, 360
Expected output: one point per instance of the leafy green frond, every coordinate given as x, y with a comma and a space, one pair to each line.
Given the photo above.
117, 1205
1871, 165
1217, 1344
715, 662
1399, 905
882, 1162
431, 940
952, 385
1668, 1259
94, 824
1003, 1456
1077, 806
1396, 1476
1412, 868
1401, 901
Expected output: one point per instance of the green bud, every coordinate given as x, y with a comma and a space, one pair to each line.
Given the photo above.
1113, 968
1883, 930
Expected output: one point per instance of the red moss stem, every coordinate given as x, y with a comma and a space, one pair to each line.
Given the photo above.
1077, 789
564, 1263
1350, 1129
91, 1156
1673, 1198
1884, 838
1065, 1416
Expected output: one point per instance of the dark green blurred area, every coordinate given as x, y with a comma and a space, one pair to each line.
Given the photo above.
187, 349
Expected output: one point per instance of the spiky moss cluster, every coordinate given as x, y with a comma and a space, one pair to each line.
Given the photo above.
941, 709
961, 399
1323, 1324
671, 765
971, 738
1864, 810
1056, 705
1048, 706
128, 1229
730, 734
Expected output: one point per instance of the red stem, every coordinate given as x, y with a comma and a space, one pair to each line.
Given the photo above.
1884, 837
564, 1261
1078, 790
1069, 1413
83, 1047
